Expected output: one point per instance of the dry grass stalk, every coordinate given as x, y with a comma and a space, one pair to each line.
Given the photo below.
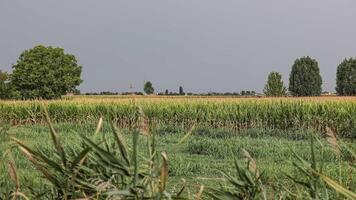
164, 172
200, 193
13, 174
143, 123
252, 166
99, 126
103, 186
350, 173
15, 194
189, 133
332, 140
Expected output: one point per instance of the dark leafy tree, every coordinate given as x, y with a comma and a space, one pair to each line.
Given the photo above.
45, 72
181, 91
346, 77
166, 92
148, 88
305, 79
274, 85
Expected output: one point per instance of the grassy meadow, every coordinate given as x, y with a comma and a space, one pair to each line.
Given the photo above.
272, 130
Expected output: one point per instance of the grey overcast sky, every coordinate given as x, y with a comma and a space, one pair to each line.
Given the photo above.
203, 45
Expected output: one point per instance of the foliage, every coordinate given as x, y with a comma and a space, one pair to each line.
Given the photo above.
310, 181
305, 79
100, 169
181, 91
246, 184
148, 88
4, 77
310, 174
274, 85
247, 93
346, 77
45, 73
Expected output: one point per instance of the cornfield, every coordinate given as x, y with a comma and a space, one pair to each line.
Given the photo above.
234, 113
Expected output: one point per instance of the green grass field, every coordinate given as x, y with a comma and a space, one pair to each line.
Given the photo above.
198, 160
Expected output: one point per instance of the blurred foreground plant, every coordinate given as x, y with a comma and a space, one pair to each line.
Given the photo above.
100, 170
245, 184
310, 174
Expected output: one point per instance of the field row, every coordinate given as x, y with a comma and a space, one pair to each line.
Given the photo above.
249, 113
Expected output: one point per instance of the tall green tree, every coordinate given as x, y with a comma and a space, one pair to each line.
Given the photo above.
305, 79
346, 77
45, 72
274, 85
148, 88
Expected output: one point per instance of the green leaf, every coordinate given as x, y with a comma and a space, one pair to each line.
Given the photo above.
121, 142
55, 137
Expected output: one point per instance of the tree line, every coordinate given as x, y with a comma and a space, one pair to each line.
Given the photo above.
305, 79
49, 73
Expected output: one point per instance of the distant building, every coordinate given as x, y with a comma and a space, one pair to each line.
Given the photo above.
325, 93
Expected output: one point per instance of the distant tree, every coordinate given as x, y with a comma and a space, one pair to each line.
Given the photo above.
148, 88
346, 77
4, 77
166, 92
76, 91
274, 85
109, 93
90, 93
181, 92
305, 79
45, 72
243, 92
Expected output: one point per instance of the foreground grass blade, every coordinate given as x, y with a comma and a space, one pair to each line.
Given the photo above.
13, 174
108, 157
39, 167
120, 142
37, 155
135, 157
55, 138
81, 157
99, 126
200, 193
186, 136
164, 172
333, 184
